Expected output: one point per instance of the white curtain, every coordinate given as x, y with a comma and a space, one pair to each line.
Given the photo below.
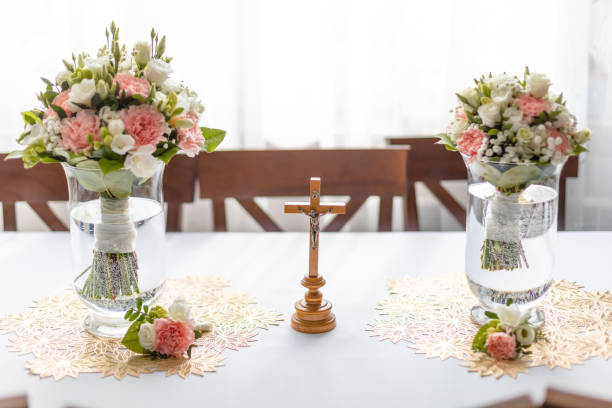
279, 73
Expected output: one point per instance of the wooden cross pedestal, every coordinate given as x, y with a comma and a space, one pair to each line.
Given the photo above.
313, 313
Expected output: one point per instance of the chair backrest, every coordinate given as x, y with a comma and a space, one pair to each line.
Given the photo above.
43, 183
359, 174
431, 163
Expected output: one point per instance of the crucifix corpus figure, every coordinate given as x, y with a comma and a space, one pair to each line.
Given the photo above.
313, 313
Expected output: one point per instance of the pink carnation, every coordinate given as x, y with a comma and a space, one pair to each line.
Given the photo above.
501, 345
75, 130
191, 140
132, 85
145, 124
531, 106
60, 100
554, 133
173, 337
470, 141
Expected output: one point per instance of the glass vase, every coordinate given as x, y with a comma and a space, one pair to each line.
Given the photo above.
511, 234
117, 231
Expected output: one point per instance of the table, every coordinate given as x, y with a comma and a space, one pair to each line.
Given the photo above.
341, 368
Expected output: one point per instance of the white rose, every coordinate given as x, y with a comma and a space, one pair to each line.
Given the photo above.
525, 335
538, 84
179, 310
96, 65
510, 317
472, 97
489, 113
82, 92
157, 71
122, 144
501, 95
171, 86
62, 76
204, 327
142, 52
146, 336
457, 128
142, 163
107, 114
115, 127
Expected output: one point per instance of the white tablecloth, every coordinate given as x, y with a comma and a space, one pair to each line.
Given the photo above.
341, 368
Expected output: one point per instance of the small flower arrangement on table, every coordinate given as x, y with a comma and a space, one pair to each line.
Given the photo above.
163, 333
508, 334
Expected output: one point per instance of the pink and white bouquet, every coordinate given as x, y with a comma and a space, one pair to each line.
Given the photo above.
508, 334
163, 333
512, 133
506, 120
117, 109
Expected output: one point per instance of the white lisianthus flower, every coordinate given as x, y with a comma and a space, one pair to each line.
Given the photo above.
204, 327
510, 317
142, 52
537, 84
126, 63
179, 310
146, 336
62, 76
583, 136
171, 86
142, 163
457, 128
515, 117
107, 114
189, 101
160, 97
96, 65
490, 114
500, 81
102, 89
122, 143
115, 127
525, 335
471, 95
37, 132
82, 93
501, 95
157, 71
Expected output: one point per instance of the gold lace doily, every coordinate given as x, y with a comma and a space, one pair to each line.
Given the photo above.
51, 330
433, 316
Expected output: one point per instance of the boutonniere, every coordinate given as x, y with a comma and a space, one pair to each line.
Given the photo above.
508, 334
163, 333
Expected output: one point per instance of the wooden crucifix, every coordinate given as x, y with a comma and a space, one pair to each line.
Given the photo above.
313, 313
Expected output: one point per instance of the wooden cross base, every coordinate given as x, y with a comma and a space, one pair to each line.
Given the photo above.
313, 313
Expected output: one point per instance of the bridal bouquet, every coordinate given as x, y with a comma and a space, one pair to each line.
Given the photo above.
511, 133
115, 117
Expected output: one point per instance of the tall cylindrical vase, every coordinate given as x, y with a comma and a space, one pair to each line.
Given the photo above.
511, 234
117, 230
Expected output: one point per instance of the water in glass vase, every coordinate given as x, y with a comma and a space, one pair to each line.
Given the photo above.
530, 216
117, 246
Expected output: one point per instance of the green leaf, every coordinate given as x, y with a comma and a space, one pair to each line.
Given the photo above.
579, 149
168, 154
177, 111
30, 117
48, 159
493, 132
464, 100
183, 123
131, 341
158, 312
108, 166
197, 334
15, 154
127, 314
509, 302
60, 111
491, 315
213, 138
481, 336
518, 175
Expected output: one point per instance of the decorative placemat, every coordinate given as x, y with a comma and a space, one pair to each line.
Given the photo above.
433, 316
51, 330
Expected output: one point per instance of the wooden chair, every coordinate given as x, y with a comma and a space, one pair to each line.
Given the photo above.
431, 163
47, 182
359, 174
20, 401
